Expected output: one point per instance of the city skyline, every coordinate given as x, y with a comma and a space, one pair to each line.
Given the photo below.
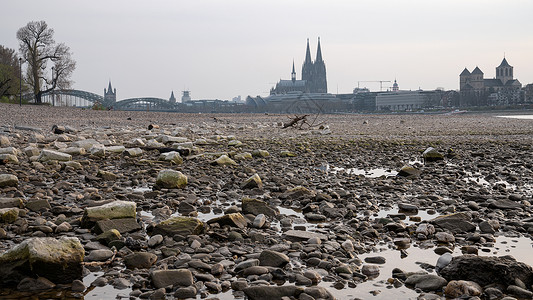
225, 49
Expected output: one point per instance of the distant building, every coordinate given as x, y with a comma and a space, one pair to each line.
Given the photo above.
395, 86
110, 96
313, 76
172, 99
186, 97
477, 90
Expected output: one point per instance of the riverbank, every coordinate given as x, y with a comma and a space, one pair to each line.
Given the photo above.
329, 200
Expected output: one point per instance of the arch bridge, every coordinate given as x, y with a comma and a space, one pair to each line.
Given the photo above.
80, 98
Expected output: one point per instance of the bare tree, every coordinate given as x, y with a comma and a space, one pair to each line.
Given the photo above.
9, 72
49, 64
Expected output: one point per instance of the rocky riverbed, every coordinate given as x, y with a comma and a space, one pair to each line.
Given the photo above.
149, 205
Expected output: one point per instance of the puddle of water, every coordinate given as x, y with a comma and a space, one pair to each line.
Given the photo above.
423, 214
523, 117
520, 248
371, 173
104, 292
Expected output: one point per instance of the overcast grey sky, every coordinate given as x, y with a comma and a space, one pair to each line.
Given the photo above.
221, 49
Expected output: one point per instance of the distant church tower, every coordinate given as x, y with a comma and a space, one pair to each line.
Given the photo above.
320, 82
314, 73
172, 99
504, 71
110, 96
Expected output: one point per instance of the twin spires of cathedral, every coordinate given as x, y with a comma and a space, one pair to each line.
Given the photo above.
315, 72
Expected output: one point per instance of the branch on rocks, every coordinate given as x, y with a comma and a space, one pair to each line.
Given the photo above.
300, 121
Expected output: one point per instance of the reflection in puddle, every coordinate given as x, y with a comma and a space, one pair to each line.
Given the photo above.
371, 173
103, 292
422, 215
520, 248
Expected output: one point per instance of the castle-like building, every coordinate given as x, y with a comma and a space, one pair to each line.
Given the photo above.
473, 85
110, 95
313, 76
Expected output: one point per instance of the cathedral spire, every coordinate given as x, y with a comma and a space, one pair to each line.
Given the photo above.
109, 89
318, 52
308, 54
293, 74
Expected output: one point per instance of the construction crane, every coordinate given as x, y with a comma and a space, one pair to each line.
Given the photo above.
380, 83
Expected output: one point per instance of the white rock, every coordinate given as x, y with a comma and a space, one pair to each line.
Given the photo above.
47, 155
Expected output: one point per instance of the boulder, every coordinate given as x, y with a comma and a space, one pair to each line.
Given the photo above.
59, 260
140, 260
172, 156
38, 205
431, 154
10, 150
4, 141
9, 215
300, 235
455, 223
271, 292
7, 180
273, 259
171, 179
115, 149
256, 207
132, 152
112, 210
426, 282
233, 220
252, 182
260, 153
486, 270
85, 144
47, 155
11, 202
409, 171
504, 204
179, 277
179, 225
462, 288
319, 292
8, 159
286, 153
243, 156
224, 160
74, 151
123, 225
106, 175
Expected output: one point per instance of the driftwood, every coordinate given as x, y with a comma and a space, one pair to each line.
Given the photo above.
294, 121
299, 121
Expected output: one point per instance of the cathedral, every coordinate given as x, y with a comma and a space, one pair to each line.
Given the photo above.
503, 88
313, 76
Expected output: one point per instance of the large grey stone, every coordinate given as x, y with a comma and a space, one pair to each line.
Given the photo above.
123, 225
487, 270
171, 179
456, 223
256, 207
7, 180
271, 292
273, 259
233, 220
300, 235
59, 260
179, 225
11, 202
112, 210
427, 282
47, 155
164, 278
